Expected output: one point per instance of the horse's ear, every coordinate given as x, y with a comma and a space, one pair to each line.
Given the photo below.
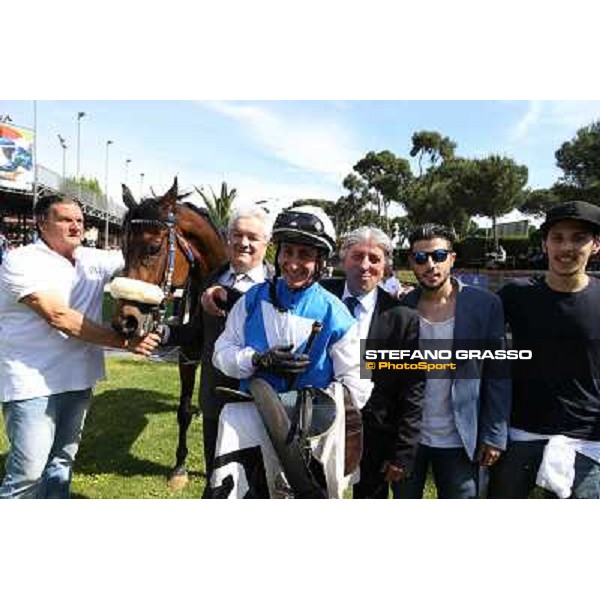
171, 196
128, 198
173, 191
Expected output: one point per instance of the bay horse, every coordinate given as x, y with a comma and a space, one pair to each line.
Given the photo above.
172, 245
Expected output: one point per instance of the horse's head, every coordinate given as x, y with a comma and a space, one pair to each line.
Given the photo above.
163, 245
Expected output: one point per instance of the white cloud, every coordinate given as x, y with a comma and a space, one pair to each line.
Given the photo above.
526, 122
316, 146
563, 116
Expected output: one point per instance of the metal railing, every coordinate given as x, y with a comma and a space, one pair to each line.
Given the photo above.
94, 204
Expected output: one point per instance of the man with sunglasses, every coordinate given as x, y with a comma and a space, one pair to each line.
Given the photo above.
465, 412
555, 421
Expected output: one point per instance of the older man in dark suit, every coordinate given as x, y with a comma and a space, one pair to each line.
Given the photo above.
249, 232
392, 415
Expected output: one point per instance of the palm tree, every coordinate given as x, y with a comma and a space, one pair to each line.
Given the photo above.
219, 207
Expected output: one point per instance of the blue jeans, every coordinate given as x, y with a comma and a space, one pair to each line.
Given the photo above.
44, 435
455, 475
514, 475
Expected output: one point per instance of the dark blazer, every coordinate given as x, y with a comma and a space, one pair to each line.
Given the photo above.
202, 332
395, 406
481, 390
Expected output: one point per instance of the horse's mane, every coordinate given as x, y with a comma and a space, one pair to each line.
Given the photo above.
203, 212
199, 210
149, 208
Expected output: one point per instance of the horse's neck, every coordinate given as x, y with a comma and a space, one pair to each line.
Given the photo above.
207, 244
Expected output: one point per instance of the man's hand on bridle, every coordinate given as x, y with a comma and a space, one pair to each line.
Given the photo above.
144, 346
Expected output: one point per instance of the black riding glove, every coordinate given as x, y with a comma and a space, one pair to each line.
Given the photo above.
280, 361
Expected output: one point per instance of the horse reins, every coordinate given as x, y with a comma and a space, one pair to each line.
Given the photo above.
174, 238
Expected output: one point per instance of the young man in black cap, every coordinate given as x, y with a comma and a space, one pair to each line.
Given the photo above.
555, 422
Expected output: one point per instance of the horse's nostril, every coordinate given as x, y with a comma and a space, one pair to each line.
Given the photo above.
130, 325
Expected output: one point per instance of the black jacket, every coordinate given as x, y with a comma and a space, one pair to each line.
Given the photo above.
395, 406
202, 333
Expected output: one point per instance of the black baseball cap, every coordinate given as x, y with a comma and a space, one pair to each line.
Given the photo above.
577, 211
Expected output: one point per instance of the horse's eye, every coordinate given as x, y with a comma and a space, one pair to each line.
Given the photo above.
153, 249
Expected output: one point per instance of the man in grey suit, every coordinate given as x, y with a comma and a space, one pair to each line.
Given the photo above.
465, 413
249, 232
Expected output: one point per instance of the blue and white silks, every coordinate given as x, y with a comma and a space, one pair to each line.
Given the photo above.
255, 325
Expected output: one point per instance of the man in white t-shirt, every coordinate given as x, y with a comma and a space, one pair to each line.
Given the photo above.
50, 356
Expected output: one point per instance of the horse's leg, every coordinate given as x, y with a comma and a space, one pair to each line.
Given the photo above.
187, 380
187, 376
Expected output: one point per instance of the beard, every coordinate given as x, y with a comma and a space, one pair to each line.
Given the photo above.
432, 288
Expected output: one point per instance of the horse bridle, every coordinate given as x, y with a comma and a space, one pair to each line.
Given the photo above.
157, 313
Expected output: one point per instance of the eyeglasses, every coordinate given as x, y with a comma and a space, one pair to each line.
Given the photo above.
437, 256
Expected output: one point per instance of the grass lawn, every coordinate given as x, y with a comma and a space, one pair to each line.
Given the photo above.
130, 436
129, 441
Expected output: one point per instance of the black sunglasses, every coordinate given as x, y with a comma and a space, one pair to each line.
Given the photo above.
437, 256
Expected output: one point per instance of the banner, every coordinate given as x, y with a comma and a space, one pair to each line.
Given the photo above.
16, 157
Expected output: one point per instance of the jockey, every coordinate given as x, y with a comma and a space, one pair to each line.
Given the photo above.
268, 329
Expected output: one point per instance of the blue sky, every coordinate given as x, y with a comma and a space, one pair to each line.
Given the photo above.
287, 150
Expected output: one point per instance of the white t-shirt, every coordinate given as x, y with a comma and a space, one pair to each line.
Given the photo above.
438, 427
36, 359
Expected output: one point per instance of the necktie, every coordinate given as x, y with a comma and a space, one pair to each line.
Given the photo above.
235, 279
352, 302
